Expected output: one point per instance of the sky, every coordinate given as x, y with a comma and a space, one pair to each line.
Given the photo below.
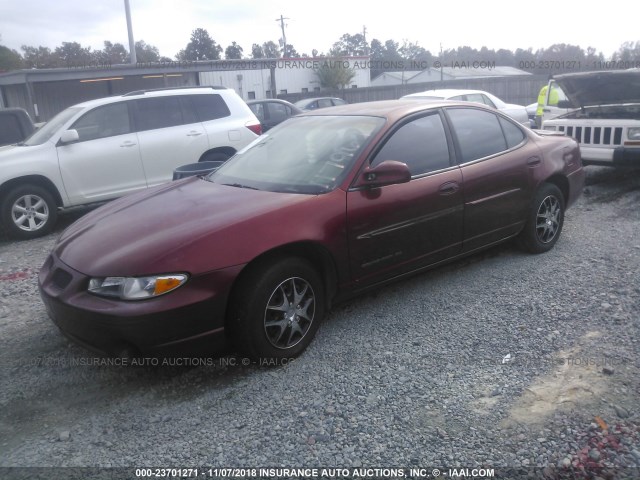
167, 24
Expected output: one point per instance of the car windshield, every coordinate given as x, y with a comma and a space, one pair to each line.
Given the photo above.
47, 131
310, 155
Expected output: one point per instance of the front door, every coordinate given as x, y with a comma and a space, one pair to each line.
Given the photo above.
397, 228
105, 162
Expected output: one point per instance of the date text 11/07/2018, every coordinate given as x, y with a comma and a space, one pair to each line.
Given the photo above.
330, 473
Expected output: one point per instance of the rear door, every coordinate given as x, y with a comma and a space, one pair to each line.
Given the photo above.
397, 228
170, 135
105, 162
495, 159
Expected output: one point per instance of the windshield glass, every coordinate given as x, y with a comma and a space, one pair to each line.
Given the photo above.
44, 133
302, 155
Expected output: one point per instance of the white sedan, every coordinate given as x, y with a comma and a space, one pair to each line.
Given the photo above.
517, 112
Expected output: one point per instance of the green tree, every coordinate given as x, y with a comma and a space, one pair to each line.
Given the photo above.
200, 47
628, 52
147, 53
72, 54
112, 54
257, 51
271, 49
350, 46
9, 59
413, 51
334, 74
38, 57
290, 52
233, 51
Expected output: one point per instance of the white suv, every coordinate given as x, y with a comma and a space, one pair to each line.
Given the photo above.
604, 115
103, 149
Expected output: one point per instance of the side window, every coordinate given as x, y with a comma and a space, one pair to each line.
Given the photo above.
479, 133
101, 122
258, 111
420, 143
459, 98
160, 112
189, 114
512, 133
487, 101
277, 112
10, 131
325, 102
475, 97
339, 101
210, 107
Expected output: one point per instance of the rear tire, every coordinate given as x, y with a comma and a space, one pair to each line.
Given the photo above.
544, 221
28, 211
276, 309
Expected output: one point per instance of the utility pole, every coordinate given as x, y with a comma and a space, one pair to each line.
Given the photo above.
284, 37
441, 61
364, 37
132, 45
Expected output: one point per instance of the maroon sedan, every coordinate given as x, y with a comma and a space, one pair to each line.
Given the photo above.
324, 206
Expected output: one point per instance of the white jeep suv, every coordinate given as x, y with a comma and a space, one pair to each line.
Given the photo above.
102, 149
603, 115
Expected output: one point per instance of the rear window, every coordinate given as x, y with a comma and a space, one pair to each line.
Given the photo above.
210, 107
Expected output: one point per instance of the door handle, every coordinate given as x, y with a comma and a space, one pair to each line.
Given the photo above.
194, 134
533, 161
448, 188
127, 144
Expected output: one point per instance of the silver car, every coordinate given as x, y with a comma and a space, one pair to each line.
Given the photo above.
517, 112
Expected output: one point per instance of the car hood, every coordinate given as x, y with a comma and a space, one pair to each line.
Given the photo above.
192, 226
601, 88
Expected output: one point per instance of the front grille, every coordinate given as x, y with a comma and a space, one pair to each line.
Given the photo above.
593, 135
61, 278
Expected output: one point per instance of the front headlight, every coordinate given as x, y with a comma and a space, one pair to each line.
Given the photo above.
136, 288
633, 134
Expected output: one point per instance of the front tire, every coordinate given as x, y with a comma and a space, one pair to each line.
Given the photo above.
277, 309
28, 211
544, 221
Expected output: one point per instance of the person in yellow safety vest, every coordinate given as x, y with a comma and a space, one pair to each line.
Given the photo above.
542, 98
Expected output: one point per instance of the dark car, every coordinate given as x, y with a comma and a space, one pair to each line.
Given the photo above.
321, 102
272, 111
327, 205
15, 125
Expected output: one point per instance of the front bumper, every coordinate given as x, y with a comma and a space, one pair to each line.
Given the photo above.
617, 157
186, 319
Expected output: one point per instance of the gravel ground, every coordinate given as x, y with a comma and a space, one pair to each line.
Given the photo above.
414, 375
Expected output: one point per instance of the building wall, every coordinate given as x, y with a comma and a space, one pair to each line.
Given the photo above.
519, 90
51, 98
292, 76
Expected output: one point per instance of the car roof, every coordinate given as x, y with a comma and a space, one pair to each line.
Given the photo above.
306, 101
269, 100
390, 109
445, 92
160, 92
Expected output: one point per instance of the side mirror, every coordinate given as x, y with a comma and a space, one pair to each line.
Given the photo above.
69, 136
389, 172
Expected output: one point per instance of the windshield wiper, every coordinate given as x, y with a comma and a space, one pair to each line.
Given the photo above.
239, 185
